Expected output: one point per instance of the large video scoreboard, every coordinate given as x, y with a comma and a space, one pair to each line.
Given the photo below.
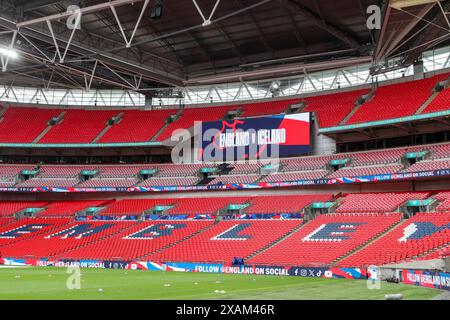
255, 138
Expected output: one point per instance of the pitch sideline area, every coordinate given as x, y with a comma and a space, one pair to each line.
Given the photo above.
51, 283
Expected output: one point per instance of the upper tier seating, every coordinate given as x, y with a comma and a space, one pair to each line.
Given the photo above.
397, 100
415, 236
331, 109
226, 240
137, 126
325, 239
59, 240
377, 202
23, 125
440, 103
266, 107
284, 204
189, 116
78, 126
141, 239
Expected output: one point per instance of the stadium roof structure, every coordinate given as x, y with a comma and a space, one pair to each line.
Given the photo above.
118, 44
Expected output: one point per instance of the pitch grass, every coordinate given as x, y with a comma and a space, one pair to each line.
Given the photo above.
50, 283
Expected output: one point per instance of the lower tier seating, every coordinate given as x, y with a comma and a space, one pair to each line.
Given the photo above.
28, 228
226, 240
139, 240
60, 240
326, 238
413, 237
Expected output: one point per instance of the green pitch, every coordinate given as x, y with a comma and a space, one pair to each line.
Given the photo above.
50, 283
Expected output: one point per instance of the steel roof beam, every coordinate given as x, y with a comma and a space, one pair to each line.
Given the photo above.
312, 17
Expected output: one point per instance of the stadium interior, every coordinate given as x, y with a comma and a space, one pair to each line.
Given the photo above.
88, 116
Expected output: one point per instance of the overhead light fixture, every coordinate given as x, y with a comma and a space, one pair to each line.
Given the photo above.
274, 86
156, 12
8, 53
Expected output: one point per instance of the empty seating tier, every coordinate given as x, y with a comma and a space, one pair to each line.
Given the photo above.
331, 109
71, 236
23, 125
226, 240
78, 126
325, 239
397, 100
423, 233
377, 202
139, 240
136, 126
284, 204
69, 208
8, 208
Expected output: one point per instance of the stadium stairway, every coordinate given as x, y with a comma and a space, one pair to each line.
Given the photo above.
108, 126
50, 125
282, 238
367, 243
3, 109
431, 98
426, 103
177, 242
357, 106
166, 124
